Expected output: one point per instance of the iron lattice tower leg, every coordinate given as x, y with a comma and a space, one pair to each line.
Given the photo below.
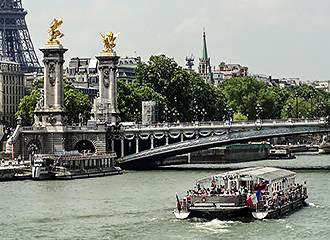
15, 41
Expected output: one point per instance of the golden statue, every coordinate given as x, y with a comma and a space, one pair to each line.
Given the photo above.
109, 42
54, 31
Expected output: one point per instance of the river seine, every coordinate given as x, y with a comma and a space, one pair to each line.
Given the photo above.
139, 205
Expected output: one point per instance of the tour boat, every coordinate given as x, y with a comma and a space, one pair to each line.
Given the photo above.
280, 153
14, 170
324, 146
7, 173
261, 192
74, 165
41, 167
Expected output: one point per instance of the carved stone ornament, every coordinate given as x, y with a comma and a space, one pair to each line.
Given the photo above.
51, 119
52, 76
106, 77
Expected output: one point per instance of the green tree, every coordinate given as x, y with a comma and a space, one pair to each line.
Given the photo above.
27, 106
157, 73
130, 97
240, 117
182, 90
75, 103
294, 108
242, 94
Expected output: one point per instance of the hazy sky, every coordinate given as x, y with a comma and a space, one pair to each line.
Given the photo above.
283, 38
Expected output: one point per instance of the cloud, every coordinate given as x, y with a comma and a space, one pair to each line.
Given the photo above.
277, 37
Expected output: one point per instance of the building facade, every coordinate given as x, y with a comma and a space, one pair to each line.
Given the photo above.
227, 71
12, 90
127, 67
83, 73
322, 85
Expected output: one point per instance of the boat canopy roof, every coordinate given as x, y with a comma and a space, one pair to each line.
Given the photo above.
266, 173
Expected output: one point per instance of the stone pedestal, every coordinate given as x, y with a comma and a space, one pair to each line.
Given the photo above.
105, 107
149, 112
50, 110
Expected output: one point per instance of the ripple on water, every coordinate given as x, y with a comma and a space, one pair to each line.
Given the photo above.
214, 226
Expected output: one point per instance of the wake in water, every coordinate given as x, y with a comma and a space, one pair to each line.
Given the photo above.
214, 226
313, 205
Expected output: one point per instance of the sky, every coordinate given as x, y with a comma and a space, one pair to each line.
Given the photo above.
282, 38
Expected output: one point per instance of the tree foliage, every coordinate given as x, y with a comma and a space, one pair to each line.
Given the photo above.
27, 107
75, 103
184, 92
184, 95
130, 97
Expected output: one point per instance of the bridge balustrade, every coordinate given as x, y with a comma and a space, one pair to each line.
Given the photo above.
262, 122
200, 135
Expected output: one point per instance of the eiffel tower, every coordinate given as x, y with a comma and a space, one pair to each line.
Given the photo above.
15, 40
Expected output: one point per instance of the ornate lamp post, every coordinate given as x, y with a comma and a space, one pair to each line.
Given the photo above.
229, 113
259, 110
312, 95
203, 113
321, 109
136, 114
176, 115
167, 113
297, 104
196, 112
289, 109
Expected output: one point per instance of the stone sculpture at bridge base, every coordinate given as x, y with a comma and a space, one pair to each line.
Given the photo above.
105, 108
50, 132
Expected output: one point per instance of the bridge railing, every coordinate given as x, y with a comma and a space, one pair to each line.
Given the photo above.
222, 123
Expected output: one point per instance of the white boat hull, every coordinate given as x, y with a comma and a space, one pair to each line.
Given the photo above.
181, 215
259, 215
324, 150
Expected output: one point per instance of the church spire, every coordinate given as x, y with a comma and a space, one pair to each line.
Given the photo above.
204, 56
204, 63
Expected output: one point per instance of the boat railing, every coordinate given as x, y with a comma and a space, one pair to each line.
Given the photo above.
236, 200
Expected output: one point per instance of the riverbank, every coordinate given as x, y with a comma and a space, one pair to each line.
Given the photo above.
311, 162
229, 168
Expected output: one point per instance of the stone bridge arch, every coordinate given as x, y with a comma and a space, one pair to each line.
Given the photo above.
84, 142
85, 146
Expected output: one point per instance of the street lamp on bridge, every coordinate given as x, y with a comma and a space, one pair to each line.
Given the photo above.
259, 110
289, 110
136, 114
320, 109
166, 113
228, 113
297, 104
203, 113
312, 95
176, 115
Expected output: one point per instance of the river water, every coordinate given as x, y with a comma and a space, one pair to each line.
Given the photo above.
139, 205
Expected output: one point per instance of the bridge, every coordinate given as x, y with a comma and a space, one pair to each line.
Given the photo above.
135, 145
169, 140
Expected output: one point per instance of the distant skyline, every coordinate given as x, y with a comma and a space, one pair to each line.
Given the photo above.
282, 38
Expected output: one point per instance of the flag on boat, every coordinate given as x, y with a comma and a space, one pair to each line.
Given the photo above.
249, 201
178, 204
258, 195
254, 198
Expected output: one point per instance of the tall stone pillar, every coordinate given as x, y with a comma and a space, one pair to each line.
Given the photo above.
137, 144
105, 106
50, 110
122, 147
152, 139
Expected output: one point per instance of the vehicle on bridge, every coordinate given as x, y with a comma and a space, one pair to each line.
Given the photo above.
73, 165
261, 192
